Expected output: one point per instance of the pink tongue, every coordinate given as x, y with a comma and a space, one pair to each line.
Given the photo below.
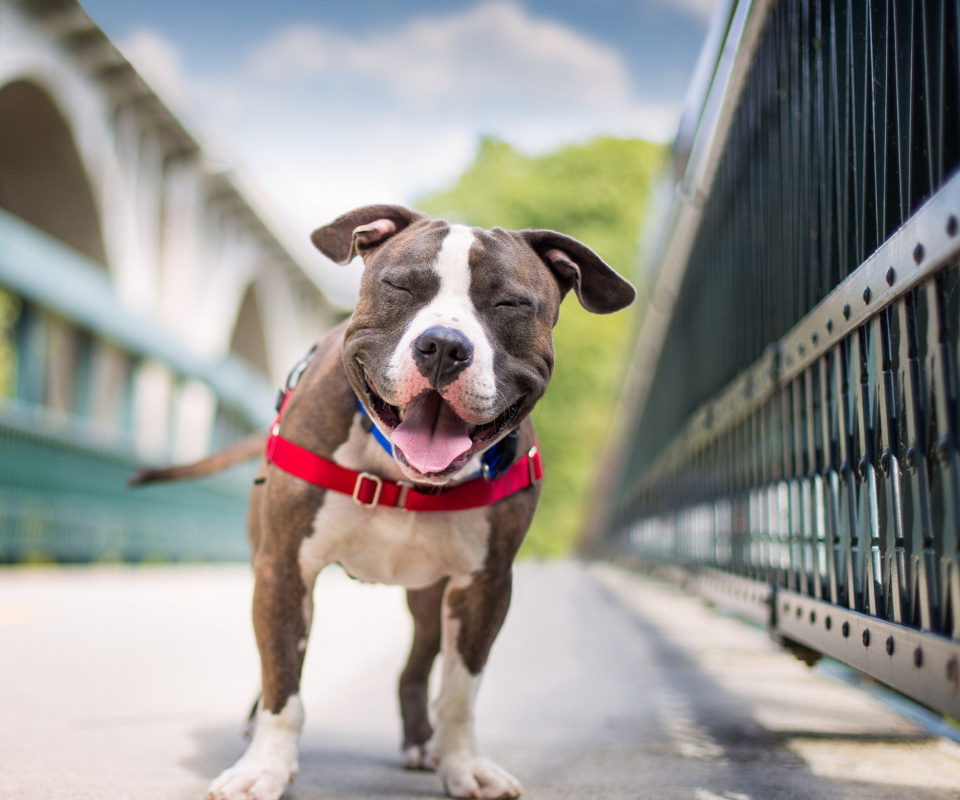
431, 435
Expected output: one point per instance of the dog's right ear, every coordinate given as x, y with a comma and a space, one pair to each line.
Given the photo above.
361, 230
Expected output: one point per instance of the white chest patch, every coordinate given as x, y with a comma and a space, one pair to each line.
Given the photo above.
387, 545
474, 391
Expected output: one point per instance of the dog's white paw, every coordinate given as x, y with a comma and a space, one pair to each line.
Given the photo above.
419, 757
253, 779
478, 777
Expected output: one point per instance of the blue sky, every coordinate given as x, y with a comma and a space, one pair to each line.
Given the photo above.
331, 105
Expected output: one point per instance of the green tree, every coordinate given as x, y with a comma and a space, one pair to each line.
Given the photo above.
9, 312
595, 192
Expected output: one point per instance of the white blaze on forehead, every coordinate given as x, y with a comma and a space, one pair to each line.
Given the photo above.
453, 263
451, 307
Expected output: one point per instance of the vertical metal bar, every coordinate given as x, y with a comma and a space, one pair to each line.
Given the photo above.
793, 486
943, 329
900, 47
847, 424
800, 495
844, 162
863, 82
805, 207
933, 33
781, 438
83, 385
818, 534
889, 432
764, 484
31, 340
922, 598
748, 489
823, 173
830, 471
759, 534
878, 39
868, 531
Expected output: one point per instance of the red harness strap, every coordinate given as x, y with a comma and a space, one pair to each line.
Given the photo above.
372, 490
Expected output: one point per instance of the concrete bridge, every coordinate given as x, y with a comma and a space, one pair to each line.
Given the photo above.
134, 682
91, 157
149, 302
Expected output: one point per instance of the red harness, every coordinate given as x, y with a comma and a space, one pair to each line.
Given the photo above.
372, 491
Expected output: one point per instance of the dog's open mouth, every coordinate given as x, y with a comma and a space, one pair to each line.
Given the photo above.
429, 435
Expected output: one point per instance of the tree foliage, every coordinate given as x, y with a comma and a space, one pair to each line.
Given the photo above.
595, 192
9, 312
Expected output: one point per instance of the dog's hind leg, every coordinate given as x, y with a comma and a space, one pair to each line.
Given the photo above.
424, 605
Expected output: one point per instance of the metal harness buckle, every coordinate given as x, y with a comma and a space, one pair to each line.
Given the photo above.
533, 455
402, 497
359, 485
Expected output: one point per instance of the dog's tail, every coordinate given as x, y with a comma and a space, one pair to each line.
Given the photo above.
242, 450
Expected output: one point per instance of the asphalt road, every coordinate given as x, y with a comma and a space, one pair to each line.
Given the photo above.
134, 682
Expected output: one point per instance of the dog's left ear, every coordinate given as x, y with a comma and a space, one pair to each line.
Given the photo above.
575, 266
362, 229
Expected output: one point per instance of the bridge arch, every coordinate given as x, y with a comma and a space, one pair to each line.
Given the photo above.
135, 270
249, 340
42, 175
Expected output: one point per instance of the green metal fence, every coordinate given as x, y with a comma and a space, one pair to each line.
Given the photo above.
68, 502
67, 438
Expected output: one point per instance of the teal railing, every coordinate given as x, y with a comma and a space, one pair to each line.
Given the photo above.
65, 457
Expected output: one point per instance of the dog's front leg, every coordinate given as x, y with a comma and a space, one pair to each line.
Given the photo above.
281, 621
473, 611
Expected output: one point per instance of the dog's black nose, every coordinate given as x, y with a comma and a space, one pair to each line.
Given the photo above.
442, 354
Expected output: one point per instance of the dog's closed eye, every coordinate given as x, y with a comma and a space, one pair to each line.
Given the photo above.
398, 287
513, 302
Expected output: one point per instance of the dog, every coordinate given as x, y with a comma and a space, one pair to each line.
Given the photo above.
404, 451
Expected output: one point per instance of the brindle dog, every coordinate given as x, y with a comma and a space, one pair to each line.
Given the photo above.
448, 350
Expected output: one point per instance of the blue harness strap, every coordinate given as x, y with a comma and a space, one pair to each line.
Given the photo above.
498, 458
494, 462
377, 433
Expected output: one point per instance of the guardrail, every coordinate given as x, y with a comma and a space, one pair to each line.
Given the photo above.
67, 438
64, 498
793, 447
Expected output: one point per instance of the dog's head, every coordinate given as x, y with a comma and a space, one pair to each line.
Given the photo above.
450, 345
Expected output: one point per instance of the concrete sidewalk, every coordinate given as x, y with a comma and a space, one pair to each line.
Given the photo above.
123, 682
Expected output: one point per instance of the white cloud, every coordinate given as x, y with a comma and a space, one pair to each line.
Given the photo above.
700, 9
207, 105
494, 51
325, 122
159, 62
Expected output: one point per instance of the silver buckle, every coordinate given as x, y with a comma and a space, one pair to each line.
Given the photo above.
295, 374
402, 497
532, 464
376, 495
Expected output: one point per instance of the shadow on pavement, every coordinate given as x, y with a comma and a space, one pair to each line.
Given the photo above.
752, 762
327, 770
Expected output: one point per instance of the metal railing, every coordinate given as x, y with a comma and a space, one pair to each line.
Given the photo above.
67, 450
794, 443
64, 498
